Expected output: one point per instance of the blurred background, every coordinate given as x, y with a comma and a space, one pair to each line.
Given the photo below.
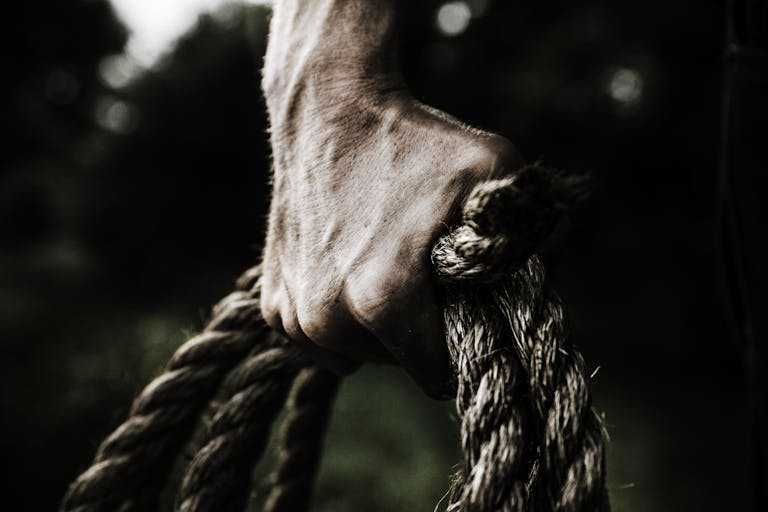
133, 192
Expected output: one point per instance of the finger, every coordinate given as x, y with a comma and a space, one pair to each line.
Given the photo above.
272, 300
342, 334
331, 361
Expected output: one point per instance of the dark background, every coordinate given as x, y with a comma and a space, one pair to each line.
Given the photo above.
117, 235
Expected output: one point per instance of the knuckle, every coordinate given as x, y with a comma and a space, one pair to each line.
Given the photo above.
494, 156
504, 148
372, 295
314, 304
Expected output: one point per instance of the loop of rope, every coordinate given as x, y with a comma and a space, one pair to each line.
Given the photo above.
132, 464
503, 221
529, 437
218, 478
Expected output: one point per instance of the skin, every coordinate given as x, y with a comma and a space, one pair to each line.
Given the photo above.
365, 180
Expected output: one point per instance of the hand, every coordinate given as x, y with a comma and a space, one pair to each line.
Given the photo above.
365, 180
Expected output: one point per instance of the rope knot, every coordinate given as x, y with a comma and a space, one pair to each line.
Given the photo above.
503, 222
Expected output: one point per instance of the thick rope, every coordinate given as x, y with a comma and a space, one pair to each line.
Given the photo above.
132, 464
530, 439
529, 436
572, 462
301, 441
492, 410
219, 476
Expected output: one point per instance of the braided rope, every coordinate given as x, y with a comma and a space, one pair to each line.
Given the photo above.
301, 441
133, 462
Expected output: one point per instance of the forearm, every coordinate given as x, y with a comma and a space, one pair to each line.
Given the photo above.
331, 48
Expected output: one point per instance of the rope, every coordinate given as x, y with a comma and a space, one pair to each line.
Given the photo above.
492, 411
529, 437
219, 476
572, 459
301, 441
132, 464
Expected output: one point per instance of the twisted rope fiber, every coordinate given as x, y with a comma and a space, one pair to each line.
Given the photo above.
492, 411
571, 453
529, 436
301, 441
219, 476
132, 463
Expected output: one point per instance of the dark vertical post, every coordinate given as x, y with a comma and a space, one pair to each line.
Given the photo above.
744, 216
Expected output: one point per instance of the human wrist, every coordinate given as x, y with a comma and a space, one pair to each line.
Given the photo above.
330, 50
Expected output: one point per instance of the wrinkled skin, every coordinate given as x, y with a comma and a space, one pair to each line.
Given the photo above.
365, 180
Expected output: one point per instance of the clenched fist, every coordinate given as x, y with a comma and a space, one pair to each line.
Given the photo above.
365, 180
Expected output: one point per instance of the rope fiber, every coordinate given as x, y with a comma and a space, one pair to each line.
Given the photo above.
529, 436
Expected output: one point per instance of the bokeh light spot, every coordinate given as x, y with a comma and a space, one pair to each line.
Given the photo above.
626, 86
453, 18
117, 71
116, 115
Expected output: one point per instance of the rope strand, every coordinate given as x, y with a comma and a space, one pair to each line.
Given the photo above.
219, 476
571, 446
132, 464
301, 441
494, 423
